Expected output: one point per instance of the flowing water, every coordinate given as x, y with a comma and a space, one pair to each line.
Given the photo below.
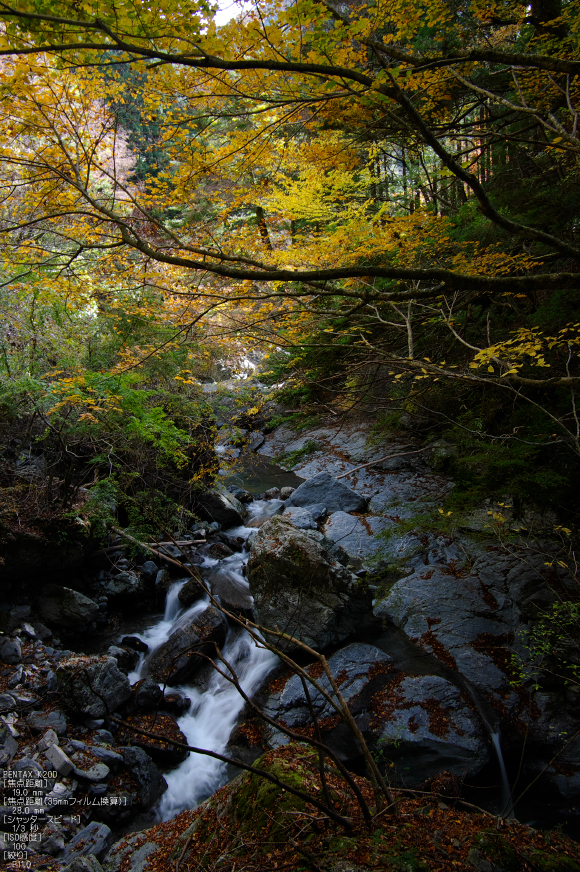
213, 712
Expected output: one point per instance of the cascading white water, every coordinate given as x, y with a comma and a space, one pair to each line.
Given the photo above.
213, 711
506, 800
208, 725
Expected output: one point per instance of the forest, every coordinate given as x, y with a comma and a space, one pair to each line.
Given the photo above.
360, 219
380, 202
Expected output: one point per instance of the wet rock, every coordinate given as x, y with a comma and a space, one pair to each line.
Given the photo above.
333, 494
149, 570
272, 493
95, 773
10, 651
136, 643
147, 695
464, 619
162, 582
93, 839
300, 517
233, 591
53, 838
179, 658
54, 720
256, 441
152, 784
286, 492
161, 750
190, 593
127, 658
218, 505
235, 543
176, 703
65, 608
92, 686
219, 550
240, 494
297, 587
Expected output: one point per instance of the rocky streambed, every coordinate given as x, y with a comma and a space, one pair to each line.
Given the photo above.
420, 629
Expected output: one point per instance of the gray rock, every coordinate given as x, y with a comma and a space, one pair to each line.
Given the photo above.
297, 588
93, 839
326, 490
233, 592
48, 739
360, 670
426, 727
8, 745
149, 570
53, 838
127, 658
54, 720
191, 592
7, 702
109, 757
58, 760
95, 773
84, 864
162, 581
130, 855
286, 492
17, 677
152, 784
218, 505
92, 686
10, 651
179, 658
357, 537
65, 608
124, 585
457, 618
147, 695
300, 517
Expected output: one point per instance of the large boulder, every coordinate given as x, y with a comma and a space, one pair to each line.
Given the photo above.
177, 660
357, 537
92, 686
300, 590
467, 619
333, 494
65, 608
359, 670
218, 504
423, 725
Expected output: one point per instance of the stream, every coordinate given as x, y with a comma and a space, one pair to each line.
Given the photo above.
213, 712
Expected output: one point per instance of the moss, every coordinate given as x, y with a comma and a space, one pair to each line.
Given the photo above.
260, 804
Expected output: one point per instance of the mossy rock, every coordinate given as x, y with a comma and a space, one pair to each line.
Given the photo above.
258, 803
490, 845
544, 862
